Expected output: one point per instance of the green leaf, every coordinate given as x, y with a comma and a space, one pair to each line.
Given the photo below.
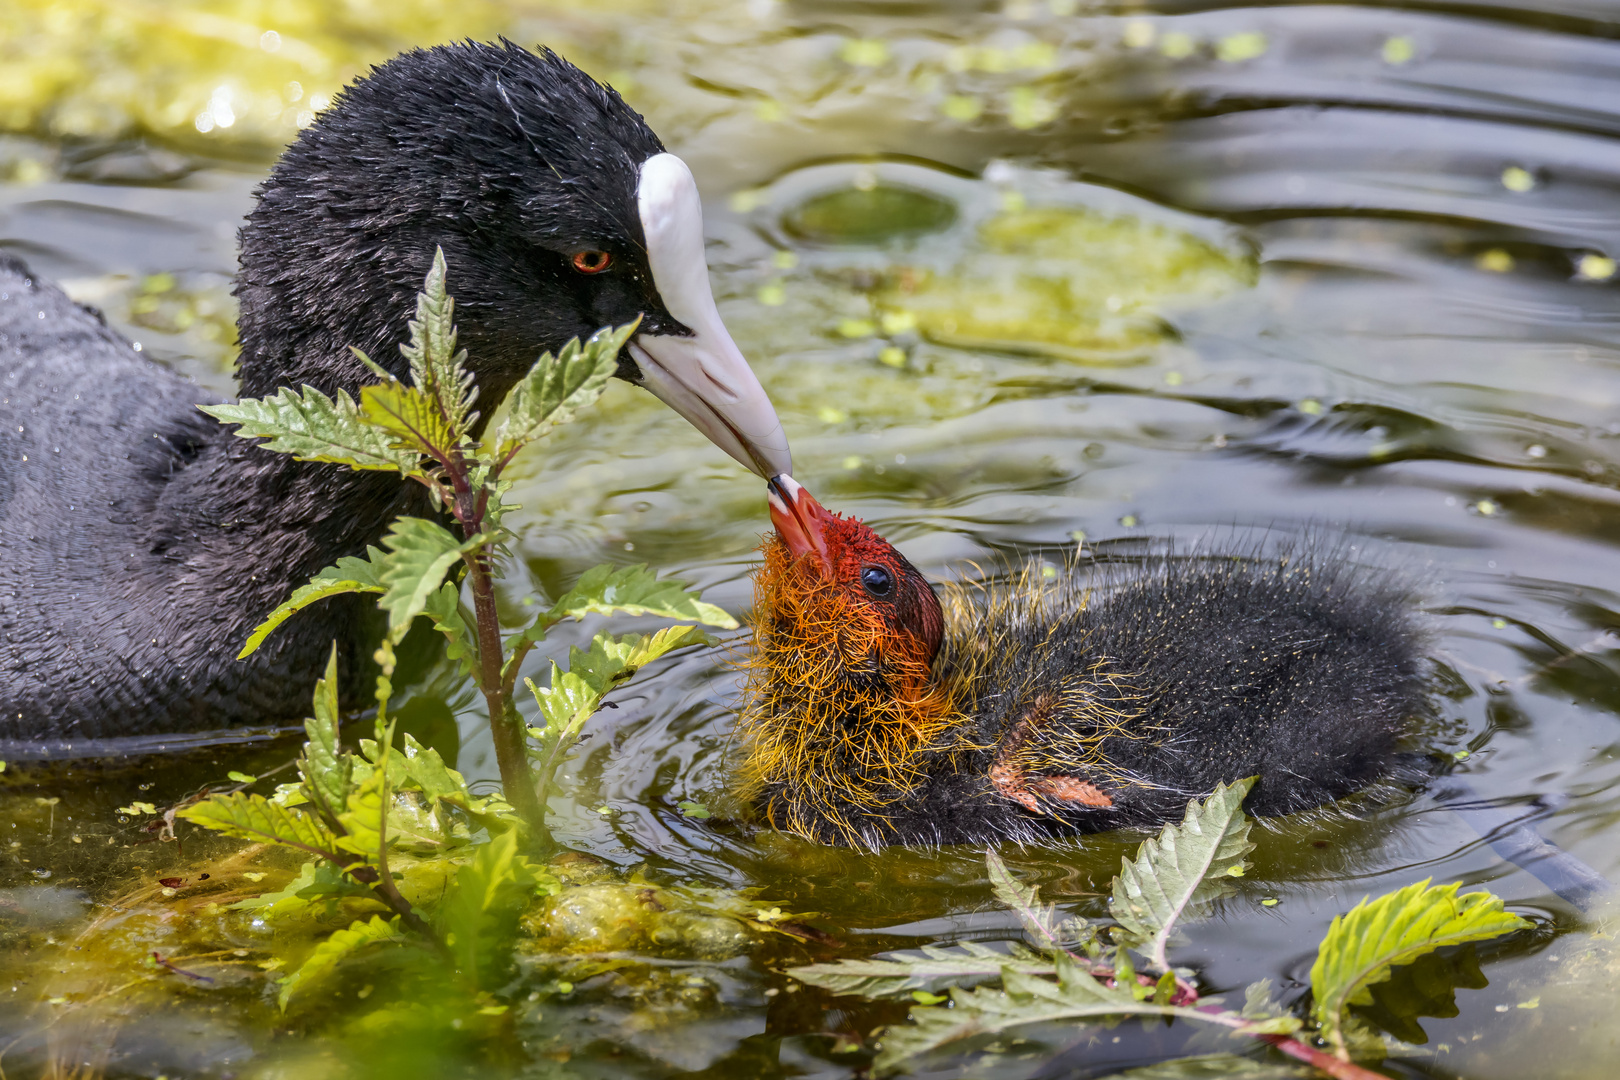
349, 575
1182, 870
1397, 928
325, 768
341, 945
413, 420
631, 590
420, 553
444, 607
937, 968
559, 386
1217, 1067
575, 694
253, 817
362, 817
1040, 920
1024, 999
483, 907
437, 369
313, 427
316, 882
695, 810
241, 777
426, 772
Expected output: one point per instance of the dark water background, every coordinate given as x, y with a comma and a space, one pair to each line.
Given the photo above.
1014, 275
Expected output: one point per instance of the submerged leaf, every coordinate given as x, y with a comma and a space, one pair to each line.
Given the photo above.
1024, 999
1362, 945
316, 882
341, 945
1217, 1067
937, 968
483, 907
1039, 919
313, 427
559, 386
1184, 868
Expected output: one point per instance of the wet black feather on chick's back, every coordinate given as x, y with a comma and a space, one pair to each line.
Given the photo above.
1158, 680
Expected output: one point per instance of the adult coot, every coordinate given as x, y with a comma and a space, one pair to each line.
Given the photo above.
1045, 708
142, 540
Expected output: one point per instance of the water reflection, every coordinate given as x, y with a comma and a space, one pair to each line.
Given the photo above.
1362, 260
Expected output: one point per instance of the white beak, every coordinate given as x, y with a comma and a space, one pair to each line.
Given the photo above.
703, 377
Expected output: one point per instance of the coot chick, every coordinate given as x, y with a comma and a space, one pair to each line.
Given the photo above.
877, 716
142, 540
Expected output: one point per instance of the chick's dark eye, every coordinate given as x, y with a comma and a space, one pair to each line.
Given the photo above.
877, 581
592, 262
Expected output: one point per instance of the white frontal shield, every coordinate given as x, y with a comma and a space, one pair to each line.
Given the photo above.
703, 377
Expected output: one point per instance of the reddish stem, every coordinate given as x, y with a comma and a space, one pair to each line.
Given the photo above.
1334, 1067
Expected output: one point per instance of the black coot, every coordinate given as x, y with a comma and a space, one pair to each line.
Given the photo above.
142, 540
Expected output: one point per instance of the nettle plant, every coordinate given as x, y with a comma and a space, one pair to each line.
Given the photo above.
969, 994
359, 816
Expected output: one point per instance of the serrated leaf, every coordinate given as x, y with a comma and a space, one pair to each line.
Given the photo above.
444, 607
413, 420
557, 387
573, 695
349, 575
341, 945
629, 590
489, 893
253, 817
316, 882
1023, 999
1217, 1067
420, 553
1038, 919
1362, 945
426, 771
313, 427
935, 969
325, 768
437, 369
1183, 869
362, 817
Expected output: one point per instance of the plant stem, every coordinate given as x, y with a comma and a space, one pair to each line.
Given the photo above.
1334, 1067
505, 727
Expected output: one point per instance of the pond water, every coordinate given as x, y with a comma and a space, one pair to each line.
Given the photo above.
1017, 276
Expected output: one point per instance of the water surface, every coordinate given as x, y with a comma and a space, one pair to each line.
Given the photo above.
1018, 277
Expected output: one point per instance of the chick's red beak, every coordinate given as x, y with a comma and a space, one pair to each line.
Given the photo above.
800, 521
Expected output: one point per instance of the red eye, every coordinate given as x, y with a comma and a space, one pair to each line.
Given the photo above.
592, 262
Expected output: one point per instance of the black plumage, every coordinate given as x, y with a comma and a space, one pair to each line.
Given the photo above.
143, 541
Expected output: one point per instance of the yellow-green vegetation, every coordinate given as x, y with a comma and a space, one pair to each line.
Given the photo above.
1065, 282
207, 74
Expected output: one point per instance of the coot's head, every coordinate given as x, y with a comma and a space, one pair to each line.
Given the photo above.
843, 704
559, 213
833, 578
